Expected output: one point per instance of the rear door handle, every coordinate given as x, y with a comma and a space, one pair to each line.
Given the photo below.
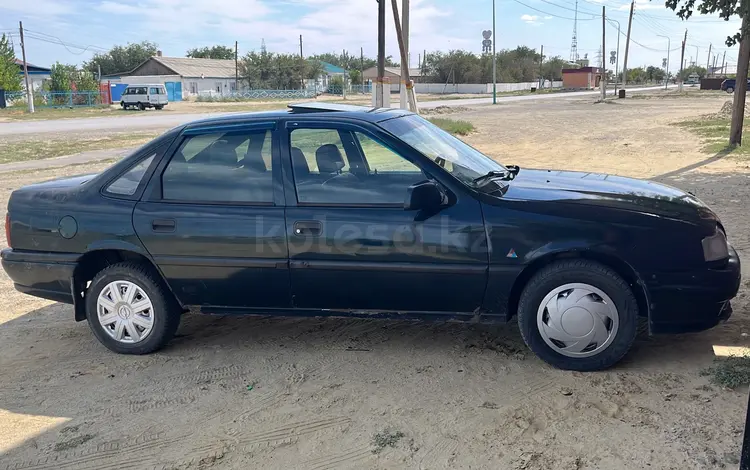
163, 225
308, 228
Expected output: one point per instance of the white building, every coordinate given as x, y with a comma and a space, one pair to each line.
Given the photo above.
37, 75
183, 76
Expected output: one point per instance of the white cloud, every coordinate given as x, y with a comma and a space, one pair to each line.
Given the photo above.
531, 19
326, 25
547, 17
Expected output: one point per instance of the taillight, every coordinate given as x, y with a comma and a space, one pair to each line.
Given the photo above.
7, 228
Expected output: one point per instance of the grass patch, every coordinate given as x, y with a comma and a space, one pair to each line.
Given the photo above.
453, 126
714, 134
38, 149
731, 372
387, 438
15, 113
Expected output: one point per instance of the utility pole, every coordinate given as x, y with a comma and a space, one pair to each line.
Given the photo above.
603, 81
404, 58
300, 47
666, 64
723, 62
494, 57
617, 55
738, 107
403, 101
362, 67
99, 71
541, 74
682, 60
381, 55
302, 57
236, 70
627, 46
29, 91
708, 61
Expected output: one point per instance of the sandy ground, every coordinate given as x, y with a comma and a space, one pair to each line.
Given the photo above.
260, 392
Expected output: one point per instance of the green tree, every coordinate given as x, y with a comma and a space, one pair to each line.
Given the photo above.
10, 78
351, 62
355, 76
693, 69
213, 52
60, 77
637, 75
654, 74
121, 59
267, 70
552, 68
83, 80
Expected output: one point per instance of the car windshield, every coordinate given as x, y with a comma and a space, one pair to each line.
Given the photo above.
460, 159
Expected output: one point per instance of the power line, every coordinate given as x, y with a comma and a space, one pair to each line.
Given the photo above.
641, 45
552, 14
48, 38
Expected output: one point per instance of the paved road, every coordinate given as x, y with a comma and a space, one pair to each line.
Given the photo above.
157, 120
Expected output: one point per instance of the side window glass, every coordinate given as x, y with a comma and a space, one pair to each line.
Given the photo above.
328, 172
381, 159
310, 141
220, 168
127, 184
154, 91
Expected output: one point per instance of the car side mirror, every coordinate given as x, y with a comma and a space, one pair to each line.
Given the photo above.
424, 195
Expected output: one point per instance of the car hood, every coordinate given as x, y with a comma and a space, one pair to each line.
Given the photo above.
597, 189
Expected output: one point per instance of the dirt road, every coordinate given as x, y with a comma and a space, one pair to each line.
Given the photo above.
164, 120
242, 392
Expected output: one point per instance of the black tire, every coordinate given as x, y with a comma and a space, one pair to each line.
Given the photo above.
141, 106
122, 103
578, 271
166, 311
730, 90
158, 107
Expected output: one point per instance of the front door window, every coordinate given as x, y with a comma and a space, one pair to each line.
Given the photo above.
343, 167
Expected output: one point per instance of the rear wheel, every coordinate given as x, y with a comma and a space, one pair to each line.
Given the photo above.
730, 90
578, 315
141, 106
129, 309
158, 107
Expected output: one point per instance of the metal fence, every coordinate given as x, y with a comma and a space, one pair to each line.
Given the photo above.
245, 95
52, 99
350, 89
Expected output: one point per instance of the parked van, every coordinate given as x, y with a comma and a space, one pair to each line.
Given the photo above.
144, 96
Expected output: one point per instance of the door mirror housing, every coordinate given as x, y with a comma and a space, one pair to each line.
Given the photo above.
424, 195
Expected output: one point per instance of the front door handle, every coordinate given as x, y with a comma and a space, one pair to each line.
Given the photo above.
308, 228
162, 225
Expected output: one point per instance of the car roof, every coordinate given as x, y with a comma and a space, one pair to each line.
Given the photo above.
311, 109
144, 84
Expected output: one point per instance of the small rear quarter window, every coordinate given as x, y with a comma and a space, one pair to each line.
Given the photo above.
127, 184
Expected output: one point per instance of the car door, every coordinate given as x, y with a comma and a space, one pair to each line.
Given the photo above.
351, 243
212, 217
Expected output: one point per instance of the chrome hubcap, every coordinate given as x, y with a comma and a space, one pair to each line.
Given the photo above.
577, 320
125, 312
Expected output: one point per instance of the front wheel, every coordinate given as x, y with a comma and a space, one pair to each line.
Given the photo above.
578, 315
129, 309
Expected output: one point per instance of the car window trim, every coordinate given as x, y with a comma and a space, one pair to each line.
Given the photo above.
340, 127
158, 150
155, 187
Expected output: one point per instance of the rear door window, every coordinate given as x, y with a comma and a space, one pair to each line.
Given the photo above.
221, 168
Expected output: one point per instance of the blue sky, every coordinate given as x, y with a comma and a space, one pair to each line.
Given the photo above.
333, 25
